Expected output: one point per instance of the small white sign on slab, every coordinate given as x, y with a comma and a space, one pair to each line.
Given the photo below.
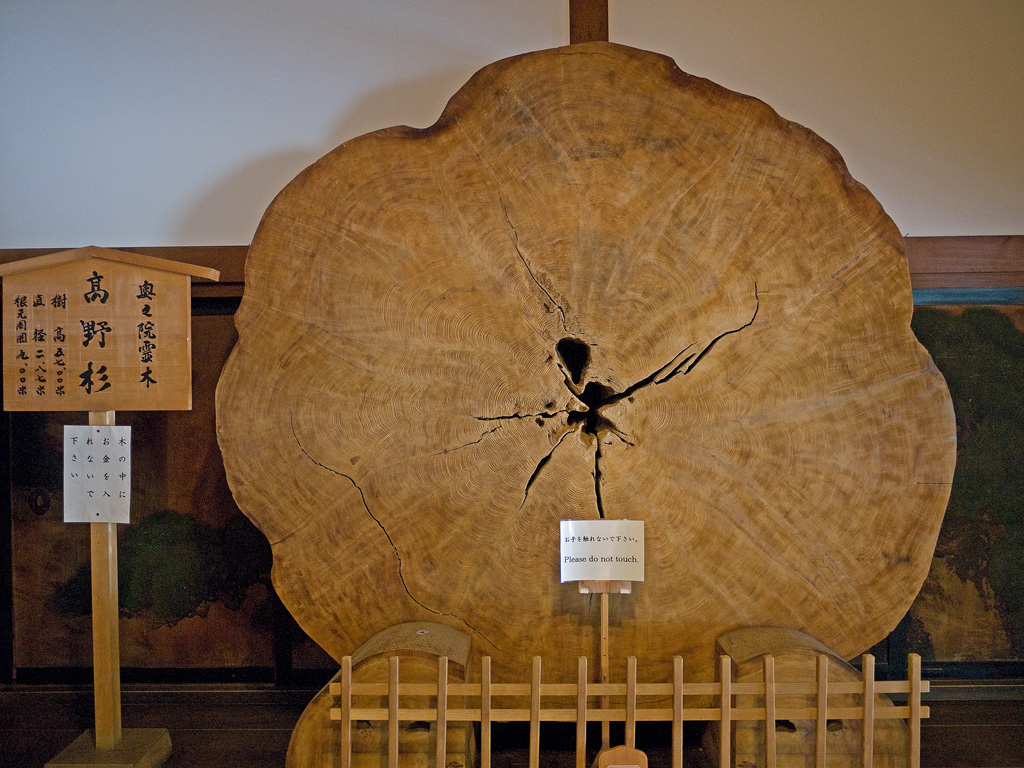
602, 550
97, 474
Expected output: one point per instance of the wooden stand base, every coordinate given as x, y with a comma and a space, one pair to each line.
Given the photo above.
138, 748
620, 757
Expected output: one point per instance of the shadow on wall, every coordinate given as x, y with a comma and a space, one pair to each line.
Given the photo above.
237, 202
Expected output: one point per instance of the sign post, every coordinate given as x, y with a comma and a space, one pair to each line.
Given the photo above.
100, 330
605, 557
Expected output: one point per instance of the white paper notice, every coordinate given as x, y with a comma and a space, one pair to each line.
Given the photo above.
97, 474
602, 550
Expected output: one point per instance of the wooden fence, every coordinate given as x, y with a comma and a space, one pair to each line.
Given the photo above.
618, 702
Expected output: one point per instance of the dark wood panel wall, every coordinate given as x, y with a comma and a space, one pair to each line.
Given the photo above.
935, 262
966, 262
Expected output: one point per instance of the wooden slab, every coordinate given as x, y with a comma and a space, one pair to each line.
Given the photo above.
596, 286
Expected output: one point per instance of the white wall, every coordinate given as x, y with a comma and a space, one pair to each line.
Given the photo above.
174, 122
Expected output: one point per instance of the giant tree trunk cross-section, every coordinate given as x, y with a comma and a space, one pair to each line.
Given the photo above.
596, 287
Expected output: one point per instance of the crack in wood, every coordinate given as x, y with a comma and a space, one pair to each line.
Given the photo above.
686, 364
719, 337
398, 557
540, 465
672, 366
290, 534
515, 244
472, 442
517, 415
574, 356
597, 480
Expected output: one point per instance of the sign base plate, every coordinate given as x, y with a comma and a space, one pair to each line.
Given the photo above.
138, 748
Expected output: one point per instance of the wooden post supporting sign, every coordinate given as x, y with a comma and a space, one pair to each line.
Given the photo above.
99, 330
106, 653
605, 557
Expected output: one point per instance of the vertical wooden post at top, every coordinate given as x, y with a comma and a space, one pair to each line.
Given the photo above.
588, 21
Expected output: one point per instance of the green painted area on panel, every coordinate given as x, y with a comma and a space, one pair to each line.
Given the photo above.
171, 567
981, 354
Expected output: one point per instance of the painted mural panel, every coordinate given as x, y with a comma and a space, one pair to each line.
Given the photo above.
971, 607
193, 571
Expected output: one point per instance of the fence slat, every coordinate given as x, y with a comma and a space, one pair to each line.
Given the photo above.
868, 673
677, 712
914, 702
346, 712
393, 712
581, 712
769, 711
442, 711
724, 742
631, 702
535, 714
485, 712
821, 716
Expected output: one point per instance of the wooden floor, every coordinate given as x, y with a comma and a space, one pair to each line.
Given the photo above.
236, 726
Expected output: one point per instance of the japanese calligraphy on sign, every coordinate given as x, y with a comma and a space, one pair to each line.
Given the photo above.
97, 474
95, 329
602, 550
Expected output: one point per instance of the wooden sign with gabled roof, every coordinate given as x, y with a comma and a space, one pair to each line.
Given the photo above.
97, 329
100, 330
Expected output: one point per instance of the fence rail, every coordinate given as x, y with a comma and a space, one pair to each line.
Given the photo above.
634, 702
